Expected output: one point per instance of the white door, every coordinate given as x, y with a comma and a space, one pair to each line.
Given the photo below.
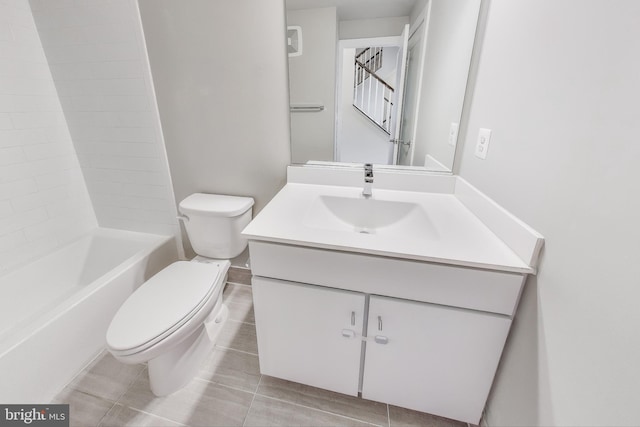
432, 358
411, 97
309, 334
399, 98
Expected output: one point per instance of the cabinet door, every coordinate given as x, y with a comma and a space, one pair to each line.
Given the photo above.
309, 334
432, 358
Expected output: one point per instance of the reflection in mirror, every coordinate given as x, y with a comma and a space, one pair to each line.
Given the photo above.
379, 81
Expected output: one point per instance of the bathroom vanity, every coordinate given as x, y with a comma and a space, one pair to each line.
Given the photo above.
405, 297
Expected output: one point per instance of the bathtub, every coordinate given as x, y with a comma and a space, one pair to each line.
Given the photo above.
54, 312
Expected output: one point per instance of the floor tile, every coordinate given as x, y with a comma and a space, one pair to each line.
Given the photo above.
238, 336
348, 406
123, 416
239, 275
239, 300
106, 377
267, 412
241, 312
199, 403
406, 417
231, 368
85, 410
240, 294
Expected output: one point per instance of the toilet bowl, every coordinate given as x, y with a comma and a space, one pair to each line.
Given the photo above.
173, 320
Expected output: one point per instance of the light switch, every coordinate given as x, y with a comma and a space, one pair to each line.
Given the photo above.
482, 147
453, 134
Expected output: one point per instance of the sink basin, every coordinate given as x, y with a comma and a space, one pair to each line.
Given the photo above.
369, 216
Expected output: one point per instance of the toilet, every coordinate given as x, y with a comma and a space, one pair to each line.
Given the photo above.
173, 320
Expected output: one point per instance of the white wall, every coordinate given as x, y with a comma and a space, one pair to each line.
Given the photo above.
98, 60
220, 73
312, 79
43, 199
450, 35
558, 83
418, 11
365, 28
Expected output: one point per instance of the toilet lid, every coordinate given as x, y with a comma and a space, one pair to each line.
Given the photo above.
170, 297
215, 205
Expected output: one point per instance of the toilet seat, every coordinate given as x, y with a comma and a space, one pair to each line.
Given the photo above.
164, 304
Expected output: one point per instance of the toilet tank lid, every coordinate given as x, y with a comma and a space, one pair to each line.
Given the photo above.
215, 205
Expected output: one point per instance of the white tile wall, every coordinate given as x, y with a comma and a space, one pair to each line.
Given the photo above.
98, 60
44, 202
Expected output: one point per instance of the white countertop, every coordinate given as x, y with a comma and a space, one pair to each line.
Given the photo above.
453, 234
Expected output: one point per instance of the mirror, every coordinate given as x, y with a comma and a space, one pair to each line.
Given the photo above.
379, 81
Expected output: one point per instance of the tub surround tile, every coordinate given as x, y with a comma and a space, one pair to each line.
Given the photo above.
84, 409
106, 377
238, 336
103, 81
199, 403
270, 412
232, 368
324, 400
401, 417
123, 416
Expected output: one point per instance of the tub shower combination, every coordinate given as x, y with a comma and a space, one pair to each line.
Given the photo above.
55, 311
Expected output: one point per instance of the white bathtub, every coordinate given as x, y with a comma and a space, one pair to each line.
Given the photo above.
54, 312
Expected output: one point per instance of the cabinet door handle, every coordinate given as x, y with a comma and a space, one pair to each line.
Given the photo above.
353, 318
379, 323
381, 339
348, 333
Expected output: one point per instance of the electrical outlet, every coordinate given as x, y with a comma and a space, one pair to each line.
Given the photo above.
453, 134
482, 146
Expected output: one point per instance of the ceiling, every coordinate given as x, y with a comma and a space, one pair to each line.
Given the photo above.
358, 9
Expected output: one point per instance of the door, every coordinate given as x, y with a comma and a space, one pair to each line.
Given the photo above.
411, 97
309, 334
432, 358
399, 97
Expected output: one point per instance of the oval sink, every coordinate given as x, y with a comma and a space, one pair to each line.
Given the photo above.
368, 216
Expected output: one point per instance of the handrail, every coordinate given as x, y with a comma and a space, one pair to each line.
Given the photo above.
368, 70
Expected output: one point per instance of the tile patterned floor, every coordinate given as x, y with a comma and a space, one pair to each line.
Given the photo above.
228, 390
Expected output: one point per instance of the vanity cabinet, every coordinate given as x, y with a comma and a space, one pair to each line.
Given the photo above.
361, 324
431, 358
309, 334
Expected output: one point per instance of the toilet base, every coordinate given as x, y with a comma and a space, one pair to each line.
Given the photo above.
172, 370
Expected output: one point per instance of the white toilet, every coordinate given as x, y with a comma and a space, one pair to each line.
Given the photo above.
172, 321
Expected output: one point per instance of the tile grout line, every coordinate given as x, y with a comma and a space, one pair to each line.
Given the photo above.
217, 384
118, 401
154, 415
142, 371
238, 284
284, 401
105, 414
315, 409
235, 349
388, 415
244, 422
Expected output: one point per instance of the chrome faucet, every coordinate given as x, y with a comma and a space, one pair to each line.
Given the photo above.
368, 180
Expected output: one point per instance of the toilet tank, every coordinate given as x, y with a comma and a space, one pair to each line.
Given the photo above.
214, 223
